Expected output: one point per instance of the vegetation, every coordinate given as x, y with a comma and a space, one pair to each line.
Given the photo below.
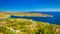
27, 26
8, 14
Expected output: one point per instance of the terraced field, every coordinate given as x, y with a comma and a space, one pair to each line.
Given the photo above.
27, 26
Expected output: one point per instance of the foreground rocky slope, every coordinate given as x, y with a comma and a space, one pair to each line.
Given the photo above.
27, 26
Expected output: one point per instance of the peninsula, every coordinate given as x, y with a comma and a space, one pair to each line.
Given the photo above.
8, 14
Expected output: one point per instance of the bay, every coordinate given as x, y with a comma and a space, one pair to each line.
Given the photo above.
52, 20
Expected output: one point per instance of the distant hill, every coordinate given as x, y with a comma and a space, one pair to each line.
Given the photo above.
28, 14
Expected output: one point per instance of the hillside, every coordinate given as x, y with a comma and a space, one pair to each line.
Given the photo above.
27, 26
8, 14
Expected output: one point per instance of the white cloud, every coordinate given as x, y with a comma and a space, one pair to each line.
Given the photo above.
47, 9
36, 10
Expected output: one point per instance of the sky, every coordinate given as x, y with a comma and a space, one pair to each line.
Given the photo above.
30, 5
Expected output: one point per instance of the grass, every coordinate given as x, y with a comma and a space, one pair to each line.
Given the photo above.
27, 26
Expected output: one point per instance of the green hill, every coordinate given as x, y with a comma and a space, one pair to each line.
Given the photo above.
27, 26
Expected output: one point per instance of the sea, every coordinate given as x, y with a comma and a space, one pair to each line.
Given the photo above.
52, 20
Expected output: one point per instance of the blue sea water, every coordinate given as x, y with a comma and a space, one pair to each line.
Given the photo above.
52, 20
